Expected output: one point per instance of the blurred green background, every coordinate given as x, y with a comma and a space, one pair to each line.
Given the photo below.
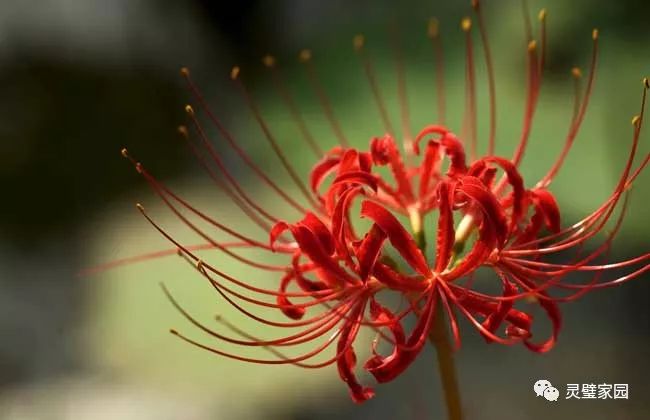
80, 80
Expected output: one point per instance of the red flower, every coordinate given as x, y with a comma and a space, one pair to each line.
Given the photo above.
333, 274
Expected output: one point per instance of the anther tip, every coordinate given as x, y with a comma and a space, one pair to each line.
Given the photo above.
173, 331
532, 45
358, 41
594, 34
542, 15
304, 55
636, 120
466, 24
576, 72
189, 109
268, 60
124, 152
234, 73
139, 206
182, 130
185, 72
646, 83
433, 27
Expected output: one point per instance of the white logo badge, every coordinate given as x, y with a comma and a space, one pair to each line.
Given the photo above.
544, 388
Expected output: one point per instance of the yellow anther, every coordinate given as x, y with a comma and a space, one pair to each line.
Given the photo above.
594, 34
532, 45
185, 72
182, 130
304, 55
636, 120
139, 207
646, 83
234, 73
576, 72
268, 60
466, 24
189, 109
358, 41
124, 152
542, 15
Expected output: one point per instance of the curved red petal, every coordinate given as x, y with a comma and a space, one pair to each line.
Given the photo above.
545, 201
385, 151
318, 228
287, 308
397, 235
388, 368
369, 250
320, 171
430, 167
346, 361
494, 218
446, 232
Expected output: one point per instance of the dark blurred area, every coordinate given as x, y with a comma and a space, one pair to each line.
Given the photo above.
80, 80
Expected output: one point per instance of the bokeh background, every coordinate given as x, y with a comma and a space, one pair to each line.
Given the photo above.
81, 79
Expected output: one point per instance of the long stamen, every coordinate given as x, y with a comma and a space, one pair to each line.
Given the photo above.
234, 75
401, 90
224, 292
233, 181
317, 330
470, 78
161, 189
232, 327
359, 42
542, 39
233, 195
203, 268
305, 57
575, 126
605, 211
476, 4
577, 265
599, 217
209, 239
224, 170
270, 62
282, 361
231, 141
576, 73
433, 31
531, 101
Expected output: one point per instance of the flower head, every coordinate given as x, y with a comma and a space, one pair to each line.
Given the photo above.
337, 276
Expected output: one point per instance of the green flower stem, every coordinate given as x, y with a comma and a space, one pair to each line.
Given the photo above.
439, 338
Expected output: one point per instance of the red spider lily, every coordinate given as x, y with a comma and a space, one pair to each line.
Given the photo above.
332, 274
